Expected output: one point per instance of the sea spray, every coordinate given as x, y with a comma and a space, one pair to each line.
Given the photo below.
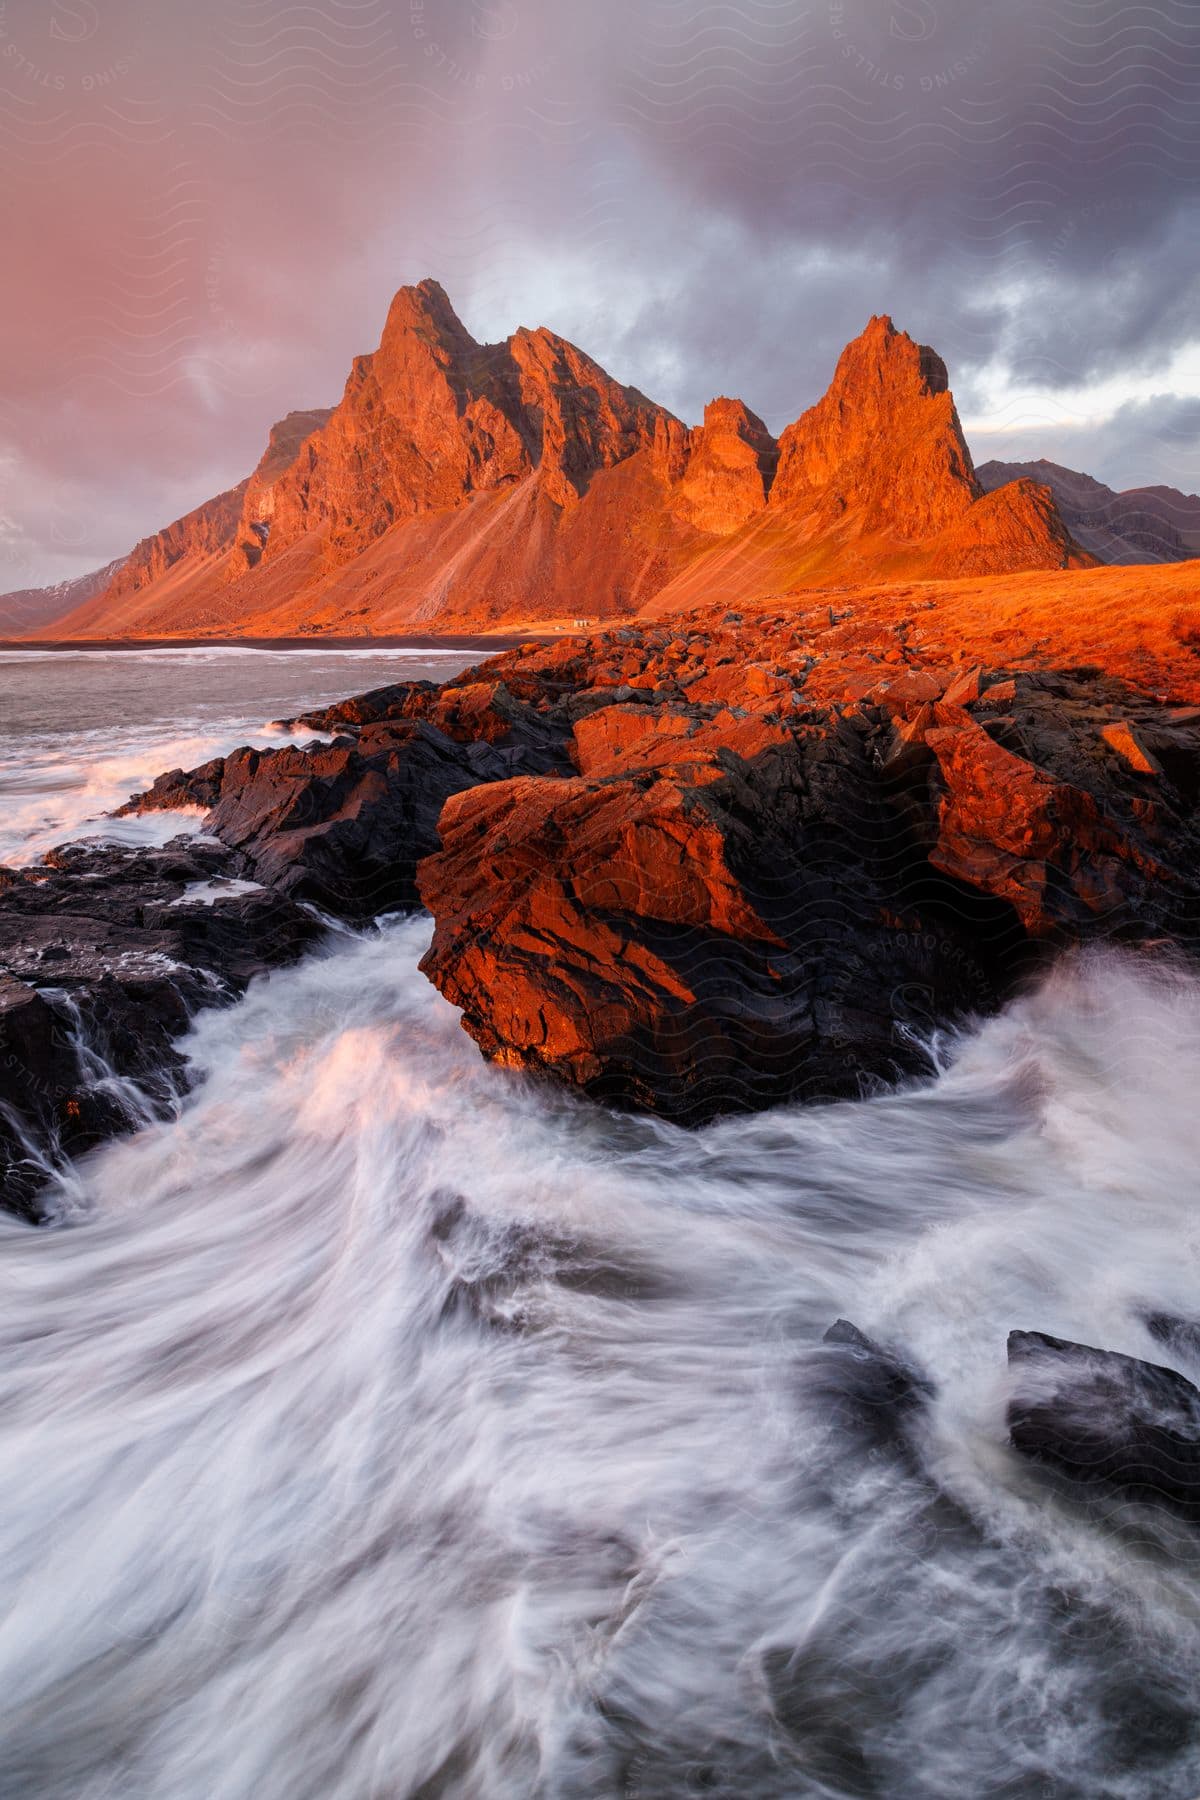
386, 1424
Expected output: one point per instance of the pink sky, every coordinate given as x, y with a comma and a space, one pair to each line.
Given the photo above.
206, 209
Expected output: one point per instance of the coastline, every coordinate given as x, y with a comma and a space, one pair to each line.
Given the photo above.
398, 641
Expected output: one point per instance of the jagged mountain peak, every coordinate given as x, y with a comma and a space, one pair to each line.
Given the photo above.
424, 306
466, 483
885, 437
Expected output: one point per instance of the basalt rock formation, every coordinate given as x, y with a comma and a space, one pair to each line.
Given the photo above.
459, 485
789, 848
344, 825
105, 954
877, 480
730, 859
689, 866
885, 437
259, 496
726, 469
1106, 1421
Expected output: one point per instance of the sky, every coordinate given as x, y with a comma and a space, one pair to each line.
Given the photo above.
206, 207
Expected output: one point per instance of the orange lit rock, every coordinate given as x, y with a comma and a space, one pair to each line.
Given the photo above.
737, 900
735, 857
1123, 738
729, 470
884, 438
458, 485
257, 520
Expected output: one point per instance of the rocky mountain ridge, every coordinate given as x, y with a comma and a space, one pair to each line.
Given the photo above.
459, 485
1135, 525
26, 611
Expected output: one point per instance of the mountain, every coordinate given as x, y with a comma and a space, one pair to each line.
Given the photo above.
166, 575
876, 481
27, 611
460, 485
1135, 525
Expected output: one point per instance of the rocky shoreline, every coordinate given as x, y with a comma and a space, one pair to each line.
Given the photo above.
105, 956
691, 866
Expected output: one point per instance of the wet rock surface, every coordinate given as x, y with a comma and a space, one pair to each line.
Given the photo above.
105, 955
690, 866
868, 1389
725, 860
345, 824
786, 856
1107, 1421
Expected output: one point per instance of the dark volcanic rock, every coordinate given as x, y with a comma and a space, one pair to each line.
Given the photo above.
786, 856
1180, 1336
1101, 1418
104, 957
718, 861
691, 930
866, 1387
343, 825
179, 788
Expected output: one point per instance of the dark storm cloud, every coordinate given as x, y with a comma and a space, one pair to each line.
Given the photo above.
206, 210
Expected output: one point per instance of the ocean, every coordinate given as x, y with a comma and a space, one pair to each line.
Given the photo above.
388, 1424
81, 730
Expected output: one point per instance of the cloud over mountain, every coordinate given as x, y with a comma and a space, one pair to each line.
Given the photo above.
207, 210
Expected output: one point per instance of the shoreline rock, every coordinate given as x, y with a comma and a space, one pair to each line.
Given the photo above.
717, 862
775, 873
691, 866
1107, 1421
106, 954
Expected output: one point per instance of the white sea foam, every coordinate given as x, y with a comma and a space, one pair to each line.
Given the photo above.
207, 653
83, 730
207, 893
385, 1424
52, 794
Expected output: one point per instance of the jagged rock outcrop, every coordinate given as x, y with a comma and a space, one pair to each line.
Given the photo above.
105, 954
727, 469
1106, 1421
876, 480
884, 438
459, 485
690, 930
427, 420
882, 456
588, 421
433, 418
259, 500
690, 866
344, 825
785, 853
